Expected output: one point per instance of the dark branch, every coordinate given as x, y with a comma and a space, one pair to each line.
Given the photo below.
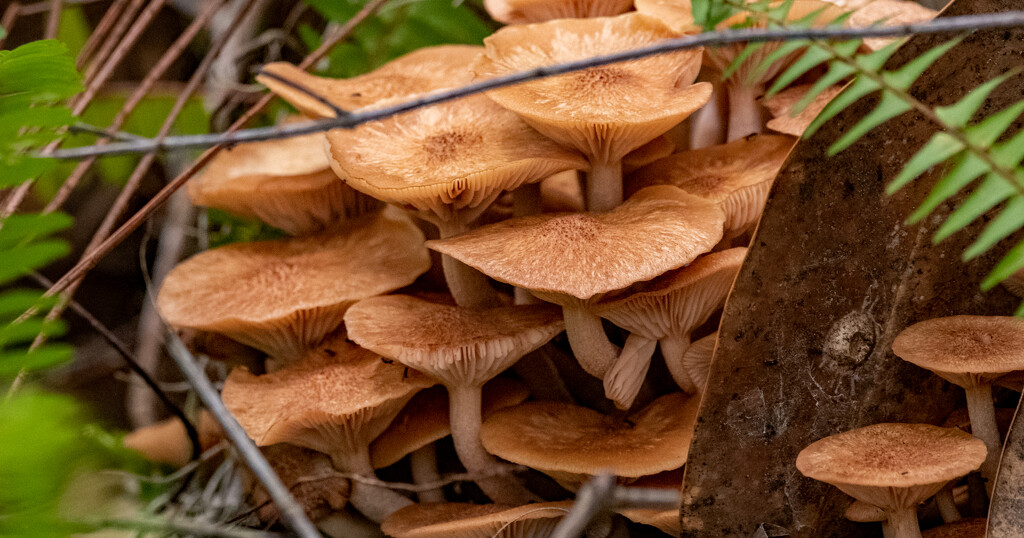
291, 512
353, 119
601, 494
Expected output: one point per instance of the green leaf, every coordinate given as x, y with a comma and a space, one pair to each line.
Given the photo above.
1020, 311
710, 13
940, 147
888, 108
875, 61
27, 330
48, 356
14, 303
958, 114
811, 58
23, 260
968, 168
43, 68
837, 71
905, 76
18, 228
859, 88
1012, 262
1009, 220
988, 130
740, 58
992, 190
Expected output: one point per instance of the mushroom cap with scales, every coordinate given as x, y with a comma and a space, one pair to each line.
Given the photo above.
283, 297
421, 71
286, 183
446, 158
892, 465
462, 520
959, 347
571, 443
527, 11
585, 255
605, 111
335, 405
309, 476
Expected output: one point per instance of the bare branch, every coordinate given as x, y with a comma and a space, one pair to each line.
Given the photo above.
601, 495
353, 119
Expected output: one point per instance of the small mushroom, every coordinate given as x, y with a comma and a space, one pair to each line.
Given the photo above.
313, 482
460, 520
527, 11
862, 512
971, 352
893, 466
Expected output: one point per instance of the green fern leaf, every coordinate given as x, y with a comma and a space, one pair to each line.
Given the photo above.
20, 261
988, 130
905, 76
959, 113
1012, 262
1009, 220
811, 58
940, 147
888, 108
837, 71
875, 61
859, 88
20, 359
740, 58
993, 190
784, 50
966, 170
16, 302
17, 229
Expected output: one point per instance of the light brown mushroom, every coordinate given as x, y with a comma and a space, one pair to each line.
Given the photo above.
571, 443
448, 162
313, 482
574, 259
737, 176
463, 349
781, 106
604, 112
335, 405
888, 13
971, 352
676, 14
666, 310
421, 71
286, 183
862, 512
893, 466
167, 442
283, 297
527, 11
460, 520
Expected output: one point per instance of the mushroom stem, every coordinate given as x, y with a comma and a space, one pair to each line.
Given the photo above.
706, 124
672, 350
595, 353
983, 426
423, 465
946, 504
744, 111
903, 523
465, 408
470, 288
373, 501
623, 381
604, 186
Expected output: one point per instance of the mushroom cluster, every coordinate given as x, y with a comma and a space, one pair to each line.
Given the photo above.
359, 326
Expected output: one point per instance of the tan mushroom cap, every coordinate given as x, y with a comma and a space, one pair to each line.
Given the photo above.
283, 297
167, 441
425, 419
677, 14
313, 482
527, 11
972, 527
447, 157
781, 106
656, 149
462, 520
676, 302
421, 71
666, 521
888, 13
697, 359
286, 183
566, 441
737, 175
586, 254
458, 346
959, 345
606, 111
335, 405
892, 456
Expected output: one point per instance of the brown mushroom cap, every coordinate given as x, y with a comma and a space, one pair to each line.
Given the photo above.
447, 157
888, 13
972, 527
331, 405
425, 419
781, 106
458, 346
283, 297
737, 175
656, 149
460, 520
892, 456
586, 254
421, 71
564, 440
167, 442
607, 111
958, 345
527, 11
676, 14
286, 183
313, 482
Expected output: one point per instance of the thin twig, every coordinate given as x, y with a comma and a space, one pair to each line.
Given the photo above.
44, 6
427, 486
182, 527
101, 132
10, 15
353, 119
291, 512
99, 34
53, 19
90, 260
600, 494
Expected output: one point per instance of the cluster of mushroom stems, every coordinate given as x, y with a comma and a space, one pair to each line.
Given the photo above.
612, 204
